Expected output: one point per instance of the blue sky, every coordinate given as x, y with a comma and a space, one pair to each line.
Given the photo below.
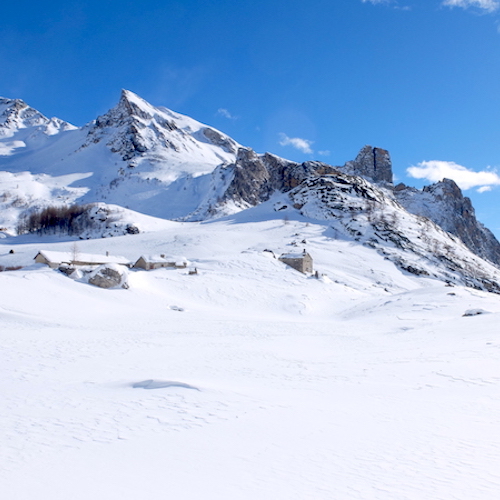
304, 80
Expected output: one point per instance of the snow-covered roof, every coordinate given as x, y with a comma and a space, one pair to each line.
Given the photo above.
54, 256
163, 258
293, 255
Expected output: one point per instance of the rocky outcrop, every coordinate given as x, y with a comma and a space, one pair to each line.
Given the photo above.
250, 184
221, 140
257, 177
109, 276
444, 204
371, 163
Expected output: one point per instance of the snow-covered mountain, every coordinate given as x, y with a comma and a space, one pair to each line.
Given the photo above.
157, 162
24, 127
150, 159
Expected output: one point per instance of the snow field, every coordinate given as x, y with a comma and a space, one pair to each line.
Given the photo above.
273, 385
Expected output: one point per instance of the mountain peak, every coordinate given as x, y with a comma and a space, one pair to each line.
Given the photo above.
11, 103
16, 115
131, 104
127, 94
371, 163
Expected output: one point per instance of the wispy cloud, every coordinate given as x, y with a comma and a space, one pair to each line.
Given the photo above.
226, 114
436, 170
484, 5
326, 152
298, 143
392, 3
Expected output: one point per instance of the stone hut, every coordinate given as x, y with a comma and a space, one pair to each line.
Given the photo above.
149, 262
302, 262
55, 259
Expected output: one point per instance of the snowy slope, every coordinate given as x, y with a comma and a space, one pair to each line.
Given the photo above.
248, 380
137, 156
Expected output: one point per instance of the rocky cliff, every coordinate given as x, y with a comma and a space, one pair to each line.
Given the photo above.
444, 204
257, 177
371, 163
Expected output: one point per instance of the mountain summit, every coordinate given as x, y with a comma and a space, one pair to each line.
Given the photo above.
141, 133
22, 126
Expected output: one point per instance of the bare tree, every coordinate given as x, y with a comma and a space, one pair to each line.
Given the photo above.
75, 253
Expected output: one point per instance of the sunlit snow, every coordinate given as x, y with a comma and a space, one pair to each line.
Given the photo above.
248, 380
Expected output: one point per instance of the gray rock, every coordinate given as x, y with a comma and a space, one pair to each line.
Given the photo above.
219, 139
371, 163
257, 177
132, 229
109, 276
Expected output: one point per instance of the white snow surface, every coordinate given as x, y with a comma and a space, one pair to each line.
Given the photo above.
248, 380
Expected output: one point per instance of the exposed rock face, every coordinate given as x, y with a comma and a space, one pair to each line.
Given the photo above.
220, 140
444, 204
333, 195
137, 125
250, 184
256, 178
371, 163
109, 276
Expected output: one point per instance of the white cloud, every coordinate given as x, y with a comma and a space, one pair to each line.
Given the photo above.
226, 114
301, 144
394, 4
326, 152
486, 5
436, 170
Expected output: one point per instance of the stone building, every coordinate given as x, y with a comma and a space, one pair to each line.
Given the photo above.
149, 262
302, 262
54, 259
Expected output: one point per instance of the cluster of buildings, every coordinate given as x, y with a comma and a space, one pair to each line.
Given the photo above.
301, 261
55, 260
